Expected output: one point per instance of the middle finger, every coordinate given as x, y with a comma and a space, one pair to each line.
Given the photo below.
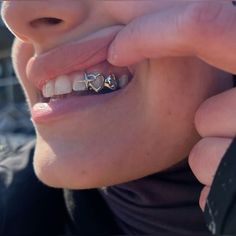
205, 157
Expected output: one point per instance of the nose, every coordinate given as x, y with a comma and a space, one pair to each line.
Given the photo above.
39, 21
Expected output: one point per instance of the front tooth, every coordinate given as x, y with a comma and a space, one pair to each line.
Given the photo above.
62, 85
79, 83
48, 89
123, 80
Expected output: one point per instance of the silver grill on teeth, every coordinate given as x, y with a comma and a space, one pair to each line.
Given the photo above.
82, 82
97, 82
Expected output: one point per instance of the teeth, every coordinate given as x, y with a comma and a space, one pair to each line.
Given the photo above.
123, 80
48, 89
62, 85
111, 82
95, 82
65, 84
78, 82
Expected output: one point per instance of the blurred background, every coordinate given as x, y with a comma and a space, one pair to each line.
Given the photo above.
15, 124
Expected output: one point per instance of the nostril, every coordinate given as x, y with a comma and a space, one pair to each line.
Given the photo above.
45, 21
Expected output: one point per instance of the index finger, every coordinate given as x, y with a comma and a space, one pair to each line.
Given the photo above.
205, 29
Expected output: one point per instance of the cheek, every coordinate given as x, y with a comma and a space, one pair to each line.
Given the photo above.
173, 98
177, 93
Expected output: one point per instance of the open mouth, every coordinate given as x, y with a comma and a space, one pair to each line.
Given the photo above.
83, 83
75, 92
76, 77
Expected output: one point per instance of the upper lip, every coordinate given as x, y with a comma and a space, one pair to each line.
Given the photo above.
72, 56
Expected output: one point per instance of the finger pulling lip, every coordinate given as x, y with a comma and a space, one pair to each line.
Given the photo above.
70, 57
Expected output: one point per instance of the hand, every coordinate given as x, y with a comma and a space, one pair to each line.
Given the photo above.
215, 122
203, 29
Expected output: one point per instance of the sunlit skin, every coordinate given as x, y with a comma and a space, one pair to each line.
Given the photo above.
147, 127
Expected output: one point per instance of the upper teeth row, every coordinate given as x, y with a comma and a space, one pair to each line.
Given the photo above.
81, 82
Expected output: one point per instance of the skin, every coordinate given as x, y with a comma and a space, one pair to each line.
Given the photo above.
172, 49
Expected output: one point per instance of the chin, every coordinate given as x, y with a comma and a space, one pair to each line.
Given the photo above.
108, 159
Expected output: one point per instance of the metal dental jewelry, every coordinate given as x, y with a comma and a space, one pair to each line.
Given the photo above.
96, 82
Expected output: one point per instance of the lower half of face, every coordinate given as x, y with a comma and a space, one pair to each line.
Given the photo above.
141, 129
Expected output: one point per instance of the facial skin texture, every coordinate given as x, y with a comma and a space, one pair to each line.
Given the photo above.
146, 128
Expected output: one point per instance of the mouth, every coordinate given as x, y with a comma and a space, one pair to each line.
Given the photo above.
79, 92
76, 76
71, 56
102, 80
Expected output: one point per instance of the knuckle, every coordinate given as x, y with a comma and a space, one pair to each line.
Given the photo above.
208, 19
204, 11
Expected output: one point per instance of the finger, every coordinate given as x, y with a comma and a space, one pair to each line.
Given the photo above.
216, 116
205, 29
205, 157
203, 196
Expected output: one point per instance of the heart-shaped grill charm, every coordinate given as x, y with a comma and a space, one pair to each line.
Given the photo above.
95, 82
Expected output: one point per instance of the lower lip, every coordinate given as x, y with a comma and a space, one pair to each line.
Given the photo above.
59, 109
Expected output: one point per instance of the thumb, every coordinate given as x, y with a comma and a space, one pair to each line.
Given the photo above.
148, 36
205, 29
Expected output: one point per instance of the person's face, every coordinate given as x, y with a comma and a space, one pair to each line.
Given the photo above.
141, 129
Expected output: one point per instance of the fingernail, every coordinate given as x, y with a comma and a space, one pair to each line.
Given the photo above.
112, 55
